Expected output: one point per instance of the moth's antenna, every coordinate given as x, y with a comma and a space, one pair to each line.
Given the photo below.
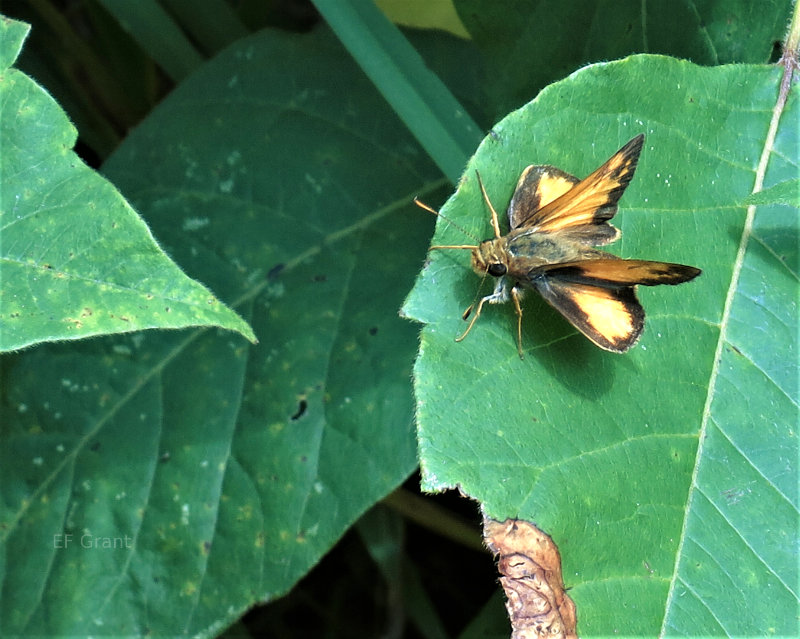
495, 223
422, 205
470, 247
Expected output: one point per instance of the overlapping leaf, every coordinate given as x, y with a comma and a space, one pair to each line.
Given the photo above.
75, 259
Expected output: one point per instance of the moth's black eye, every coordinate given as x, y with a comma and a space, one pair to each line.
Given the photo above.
497, 269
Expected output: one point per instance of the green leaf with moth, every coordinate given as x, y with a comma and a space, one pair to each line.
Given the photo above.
75, 259
667, 476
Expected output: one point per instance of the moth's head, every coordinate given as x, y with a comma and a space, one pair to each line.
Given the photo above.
490, 257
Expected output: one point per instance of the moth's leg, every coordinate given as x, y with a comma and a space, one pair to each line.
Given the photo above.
488, 298
499, 296
516, 295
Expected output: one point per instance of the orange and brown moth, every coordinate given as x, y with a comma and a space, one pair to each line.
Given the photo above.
556, 220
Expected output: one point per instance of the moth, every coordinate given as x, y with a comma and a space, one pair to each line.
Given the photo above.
556, 221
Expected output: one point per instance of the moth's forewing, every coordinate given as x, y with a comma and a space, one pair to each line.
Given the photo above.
610, 273
588, 205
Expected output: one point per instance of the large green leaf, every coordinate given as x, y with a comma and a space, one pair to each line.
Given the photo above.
75, 259
230, 468
531, 43
668, 475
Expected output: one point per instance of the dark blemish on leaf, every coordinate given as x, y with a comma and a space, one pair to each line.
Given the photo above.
301, 409
321, 278
373, 330
95, 447
165, 458
734, 495
275, 271
303, 458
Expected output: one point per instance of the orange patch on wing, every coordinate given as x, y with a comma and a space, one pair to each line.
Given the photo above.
611, 317
551, 186
605, 313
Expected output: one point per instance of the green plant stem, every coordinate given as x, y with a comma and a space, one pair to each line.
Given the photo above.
792, 42
441, 125
157, 32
